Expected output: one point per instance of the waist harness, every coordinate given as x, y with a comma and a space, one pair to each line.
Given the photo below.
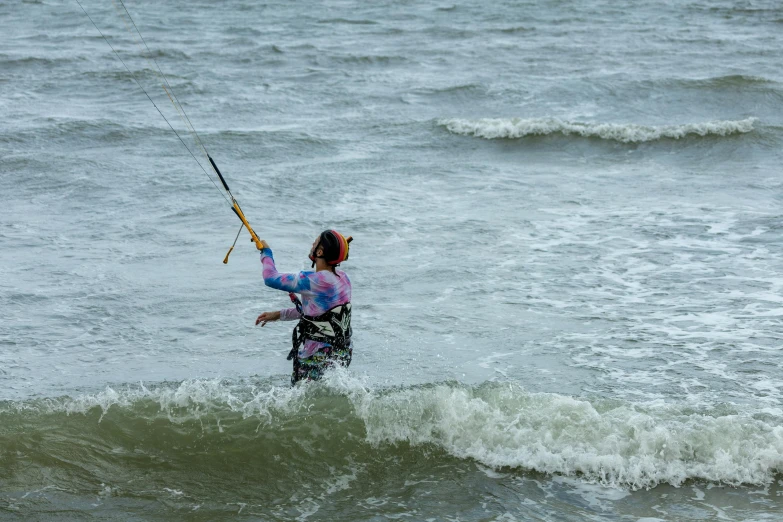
333, 327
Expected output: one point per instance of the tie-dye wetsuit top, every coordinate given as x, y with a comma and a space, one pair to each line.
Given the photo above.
319, 291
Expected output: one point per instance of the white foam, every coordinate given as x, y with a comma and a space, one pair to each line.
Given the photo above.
625, 446
499, 425
192, 399
514, 128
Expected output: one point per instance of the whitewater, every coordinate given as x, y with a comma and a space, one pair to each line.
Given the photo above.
498, 424
566, 266
514, 128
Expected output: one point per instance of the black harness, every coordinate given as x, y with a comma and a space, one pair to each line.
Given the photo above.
333, 327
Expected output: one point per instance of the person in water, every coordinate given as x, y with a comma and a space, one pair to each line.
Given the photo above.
322, 337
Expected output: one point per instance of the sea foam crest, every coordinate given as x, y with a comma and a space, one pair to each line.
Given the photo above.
191, 399
500, 425
514, 128
622, 446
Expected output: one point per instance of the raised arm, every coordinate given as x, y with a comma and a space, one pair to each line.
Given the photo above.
286, 282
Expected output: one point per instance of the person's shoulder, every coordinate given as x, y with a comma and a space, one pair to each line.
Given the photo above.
310, 275
323, 276
329, 277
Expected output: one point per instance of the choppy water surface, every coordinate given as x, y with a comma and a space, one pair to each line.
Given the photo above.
567, 291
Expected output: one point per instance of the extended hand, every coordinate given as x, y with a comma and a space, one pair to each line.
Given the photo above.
267, 317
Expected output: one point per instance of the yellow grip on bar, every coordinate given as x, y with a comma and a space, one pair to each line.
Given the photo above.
253, 235
225, 259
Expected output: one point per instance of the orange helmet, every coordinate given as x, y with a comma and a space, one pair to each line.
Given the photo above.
335, 247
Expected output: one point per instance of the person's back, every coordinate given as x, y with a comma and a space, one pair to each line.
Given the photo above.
323, 335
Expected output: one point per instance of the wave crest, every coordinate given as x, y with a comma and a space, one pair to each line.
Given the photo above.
620, 445
515, 128
497, 424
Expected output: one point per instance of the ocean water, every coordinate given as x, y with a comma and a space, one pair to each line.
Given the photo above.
568, 301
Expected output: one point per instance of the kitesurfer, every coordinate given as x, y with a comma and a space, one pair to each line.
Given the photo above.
322, 338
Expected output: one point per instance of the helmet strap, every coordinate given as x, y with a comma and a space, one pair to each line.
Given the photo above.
315, 253
314, 256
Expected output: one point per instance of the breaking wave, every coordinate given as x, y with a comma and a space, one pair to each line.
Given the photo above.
515, 128
500, 425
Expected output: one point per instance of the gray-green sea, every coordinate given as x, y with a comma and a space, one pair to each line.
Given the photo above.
566, 267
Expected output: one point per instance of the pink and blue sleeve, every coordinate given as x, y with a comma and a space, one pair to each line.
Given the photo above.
281, 281
289, 314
